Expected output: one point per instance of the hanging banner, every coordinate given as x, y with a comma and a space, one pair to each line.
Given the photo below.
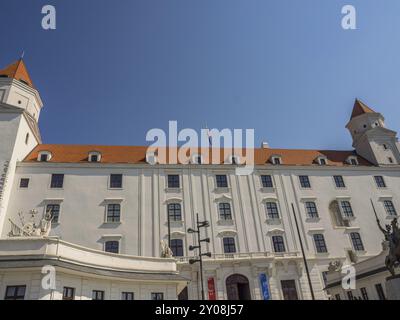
211, 289
264, 287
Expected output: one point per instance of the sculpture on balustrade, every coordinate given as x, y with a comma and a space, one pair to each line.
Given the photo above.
166, 251
31, 228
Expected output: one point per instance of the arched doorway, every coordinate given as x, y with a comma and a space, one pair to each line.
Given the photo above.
237, 287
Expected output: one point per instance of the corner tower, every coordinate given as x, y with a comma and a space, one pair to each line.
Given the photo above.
20, 106
371, 139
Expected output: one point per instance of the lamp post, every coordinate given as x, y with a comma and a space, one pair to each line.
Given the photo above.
304, 255
199, 225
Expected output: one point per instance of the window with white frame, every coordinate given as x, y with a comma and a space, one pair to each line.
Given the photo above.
380, 182
305, 182
175, 211
111, 246
278, 243
347, 210
229, 244
271, 208
266, 181
115, 181
44, 156
177, 247
113, 212
94, 156
173, 181
97, 295
339, 182
225, 212
356, 241
389, 207
221, 181
352, 160
54, 210
311, 209
127, 295
276, 160
320, 244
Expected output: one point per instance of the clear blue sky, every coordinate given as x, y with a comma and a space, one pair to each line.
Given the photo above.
112, 70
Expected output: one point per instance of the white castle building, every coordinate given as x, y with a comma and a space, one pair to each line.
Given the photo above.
110, 210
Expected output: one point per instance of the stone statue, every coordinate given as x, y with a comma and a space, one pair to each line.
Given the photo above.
31, 228
166, 251
335, 266
392, 238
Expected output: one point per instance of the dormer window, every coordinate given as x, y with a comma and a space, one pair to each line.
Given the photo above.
276, 160
352, 160
197, 159
151, 158
234, 159
44, 156
322, 161
94, 156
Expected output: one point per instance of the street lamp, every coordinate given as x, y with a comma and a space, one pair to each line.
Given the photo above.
199, 224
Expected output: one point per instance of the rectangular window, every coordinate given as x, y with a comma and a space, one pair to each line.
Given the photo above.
389, 207
364, 293
24, 183
94, 158
276, 160
127, 296
97, 295
380, 183
304, 182
311, 209
339, 182
15, 293
380, 292
357, 242
157, 296
115, 181
229, 245
177, 247
68, 293
322, 162
266, 181
350, 295
272, 210
222, 181
173, 181
43, 157
337, 296
320, 244
111, 246
279, 244
353, 162
54, 210
114, 212
225, 211
174, 211
346, 209
57, 181
289, 290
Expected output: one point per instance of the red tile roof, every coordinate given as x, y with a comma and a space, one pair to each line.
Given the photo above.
137, 155
360, 108
18, 71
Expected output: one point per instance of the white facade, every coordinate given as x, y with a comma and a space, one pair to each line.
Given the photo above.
85, 195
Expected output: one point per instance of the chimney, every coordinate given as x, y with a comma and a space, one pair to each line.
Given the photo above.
264, 145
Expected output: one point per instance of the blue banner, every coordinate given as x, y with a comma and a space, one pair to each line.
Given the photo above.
264, 286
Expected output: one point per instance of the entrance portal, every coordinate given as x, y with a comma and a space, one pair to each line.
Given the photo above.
237, 287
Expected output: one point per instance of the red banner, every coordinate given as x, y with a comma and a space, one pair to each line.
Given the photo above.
211, 289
